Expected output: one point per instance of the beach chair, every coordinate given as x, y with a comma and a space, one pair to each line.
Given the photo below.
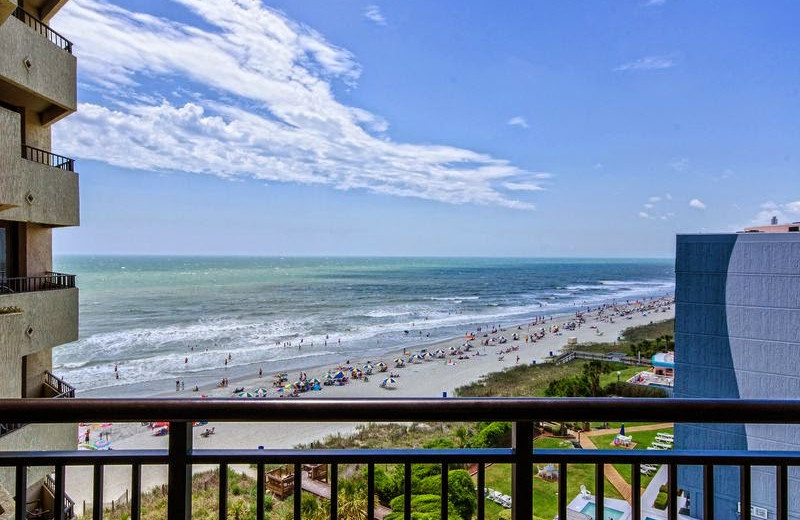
585, 492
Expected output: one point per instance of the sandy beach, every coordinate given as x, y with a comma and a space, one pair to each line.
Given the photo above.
432, 378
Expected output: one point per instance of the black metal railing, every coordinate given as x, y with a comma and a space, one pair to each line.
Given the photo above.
522, 413
61, 388
48, 158
48, 281
43, 29
68, 503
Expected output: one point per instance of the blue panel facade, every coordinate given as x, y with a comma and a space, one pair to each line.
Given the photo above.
737, 335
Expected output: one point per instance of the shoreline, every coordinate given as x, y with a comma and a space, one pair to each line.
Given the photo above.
318, 370
424, 379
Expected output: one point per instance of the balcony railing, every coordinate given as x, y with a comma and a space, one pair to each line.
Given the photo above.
69, 504
61, 388
43, 29
180, 455
48, 158
47, 282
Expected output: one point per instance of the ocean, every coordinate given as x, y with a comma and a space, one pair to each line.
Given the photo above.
147, 313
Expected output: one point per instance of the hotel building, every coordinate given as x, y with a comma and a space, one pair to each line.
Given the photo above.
38, 193
737, 335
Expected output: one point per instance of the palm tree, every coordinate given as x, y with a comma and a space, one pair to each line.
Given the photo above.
462, 434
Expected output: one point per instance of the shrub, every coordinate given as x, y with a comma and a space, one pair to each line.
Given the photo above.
625, 389
388, 486
462, 493
494, 435
440, 443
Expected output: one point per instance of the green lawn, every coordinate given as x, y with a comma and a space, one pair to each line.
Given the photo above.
551, 443
545, 494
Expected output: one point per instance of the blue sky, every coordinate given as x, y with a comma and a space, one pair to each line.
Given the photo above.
429, 128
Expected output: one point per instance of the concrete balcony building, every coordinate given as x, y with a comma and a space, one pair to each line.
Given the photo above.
38, 192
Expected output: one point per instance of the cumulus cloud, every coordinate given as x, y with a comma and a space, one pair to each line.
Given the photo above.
697, 204
373, 13
249, 94
518, 121
644, 214
647, 63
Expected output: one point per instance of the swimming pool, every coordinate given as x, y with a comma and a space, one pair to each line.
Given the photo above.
608, 513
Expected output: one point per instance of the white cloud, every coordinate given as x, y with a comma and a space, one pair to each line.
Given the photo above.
680, 165
647, 63
373, 13
668, 196
786, 212
249, 95
648, 206
644, 214
654, 199
518, 121
653, 3
697, 204
523, 186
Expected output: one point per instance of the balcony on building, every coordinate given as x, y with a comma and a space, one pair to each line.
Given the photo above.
36, 185
38, 70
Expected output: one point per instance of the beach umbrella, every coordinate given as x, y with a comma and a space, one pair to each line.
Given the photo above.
389, 382
414, 358
399, 362
339, 375
368, 368
382, 366
313, 381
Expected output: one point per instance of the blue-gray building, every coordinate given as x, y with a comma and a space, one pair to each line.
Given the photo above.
737, 335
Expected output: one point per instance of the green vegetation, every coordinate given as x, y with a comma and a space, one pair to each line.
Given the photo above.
644, 339
545, 494
643, 439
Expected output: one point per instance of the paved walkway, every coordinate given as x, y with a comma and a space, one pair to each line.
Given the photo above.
609, 470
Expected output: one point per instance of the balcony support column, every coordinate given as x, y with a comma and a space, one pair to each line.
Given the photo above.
522, 471
179, 498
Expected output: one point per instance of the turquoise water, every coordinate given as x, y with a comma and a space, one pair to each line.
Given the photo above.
608, 513
145, 312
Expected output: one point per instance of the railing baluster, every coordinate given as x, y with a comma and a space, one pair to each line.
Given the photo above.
179, 493
782, 492
744, 491
708, 491
334, 479
260, 481
370, 491
97, 493
636, 491
522, 471
672, 508
481, 490
136, 491
222, 501
298, 490
599, 490
407, 491
444, 492
562, 490
21, 492
58, 493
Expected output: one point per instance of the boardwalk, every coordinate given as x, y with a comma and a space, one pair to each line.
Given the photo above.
323, 490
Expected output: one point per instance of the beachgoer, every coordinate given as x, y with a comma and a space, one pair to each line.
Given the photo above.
177, 385
260, 372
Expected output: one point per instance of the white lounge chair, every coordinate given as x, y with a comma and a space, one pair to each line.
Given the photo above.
585, 492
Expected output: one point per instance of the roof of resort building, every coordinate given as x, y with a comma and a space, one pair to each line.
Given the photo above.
664, 360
